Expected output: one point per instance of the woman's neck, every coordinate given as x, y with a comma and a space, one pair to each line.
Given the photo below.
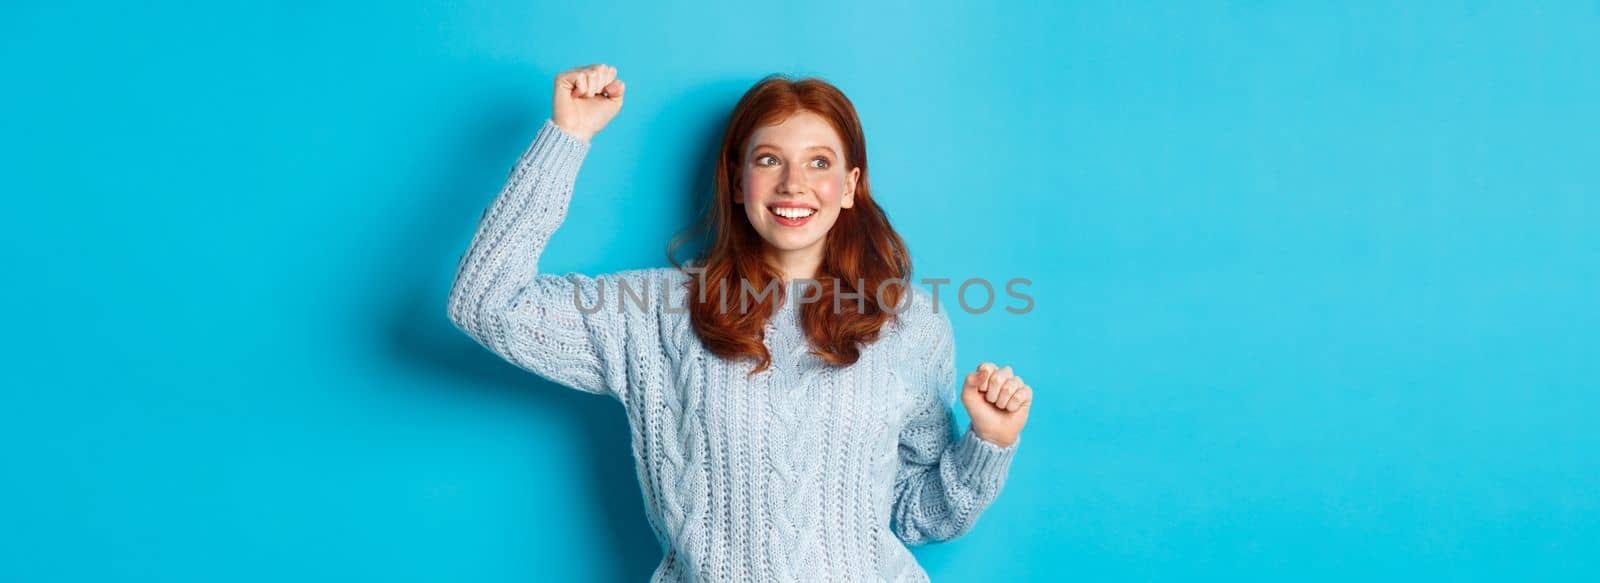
797, 264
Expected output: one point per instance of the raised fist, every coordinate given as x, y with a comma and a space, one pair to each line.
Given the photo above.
586, 98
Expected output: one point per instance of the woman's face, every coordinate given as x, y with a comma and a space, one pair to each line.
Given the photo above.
795, 181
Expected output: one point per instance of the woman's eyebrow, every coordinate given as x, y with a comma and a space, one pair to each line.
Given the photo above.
829, 149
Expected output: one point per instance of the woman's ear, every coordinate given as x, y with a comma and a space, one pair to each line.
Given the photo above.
850, 189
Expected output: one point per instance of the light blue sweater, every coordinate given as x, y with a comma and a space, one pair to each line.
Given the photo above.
804, 472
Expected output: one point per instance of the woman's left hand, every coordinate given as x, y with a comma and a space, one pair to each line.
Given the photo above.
997, 402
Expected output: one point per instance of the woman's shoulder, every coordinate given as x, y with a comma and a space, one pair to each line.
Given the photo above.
650, 275
654, 288
922, 319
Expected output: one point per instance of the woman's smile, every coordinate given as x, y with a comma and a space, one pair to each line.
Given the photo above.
792, 216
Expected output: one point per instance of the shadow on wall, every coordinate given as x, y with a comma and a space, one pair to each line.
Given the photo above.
697, 118
419, 336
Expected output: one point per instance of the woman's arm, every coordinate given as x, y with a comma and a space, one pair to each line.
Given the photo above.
561, 327
945, 481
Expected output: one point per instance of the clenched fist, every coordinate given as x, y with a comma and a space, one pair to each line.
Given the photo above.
997, 402
586, 99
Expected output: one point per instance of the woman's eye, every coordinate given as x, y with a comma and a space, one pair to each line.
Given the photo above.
763, 160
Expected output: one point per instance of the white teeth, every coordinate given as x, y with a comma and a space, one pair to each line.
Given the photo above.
792, 213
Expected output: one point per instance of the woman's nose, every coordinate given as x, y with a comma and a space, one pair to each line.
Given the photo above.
792, 181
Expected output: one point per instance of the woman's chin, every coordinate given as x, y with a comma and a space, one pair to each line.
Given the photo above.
788, 244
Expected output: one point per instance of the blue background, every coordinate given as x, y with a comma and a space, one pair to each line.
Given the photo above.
1315, 284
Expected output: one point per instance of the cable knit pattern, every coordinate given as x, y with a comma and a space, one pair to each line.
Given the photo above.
803, 472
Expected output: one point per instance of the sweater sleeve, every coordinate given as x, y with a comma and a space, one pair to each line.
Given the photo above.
944, 481
557, 326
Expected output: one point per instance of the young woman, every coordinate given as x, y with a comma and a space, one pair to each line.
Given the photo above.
789, 395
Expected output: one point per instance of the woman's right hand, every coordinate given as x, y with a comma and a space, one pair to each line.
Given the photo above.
586, 99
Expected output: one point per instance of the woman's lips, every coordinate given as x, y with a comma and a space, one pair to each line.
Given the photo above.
788, 222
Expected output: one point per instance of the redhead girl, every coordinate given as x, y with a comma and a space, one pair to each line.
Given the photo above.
790, 395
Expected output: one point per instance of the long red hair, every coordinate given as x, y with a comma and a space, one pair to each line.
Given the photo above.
862, 253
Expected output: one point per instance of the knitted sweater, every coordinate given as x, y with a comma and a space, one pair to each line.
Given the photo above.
803, 472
